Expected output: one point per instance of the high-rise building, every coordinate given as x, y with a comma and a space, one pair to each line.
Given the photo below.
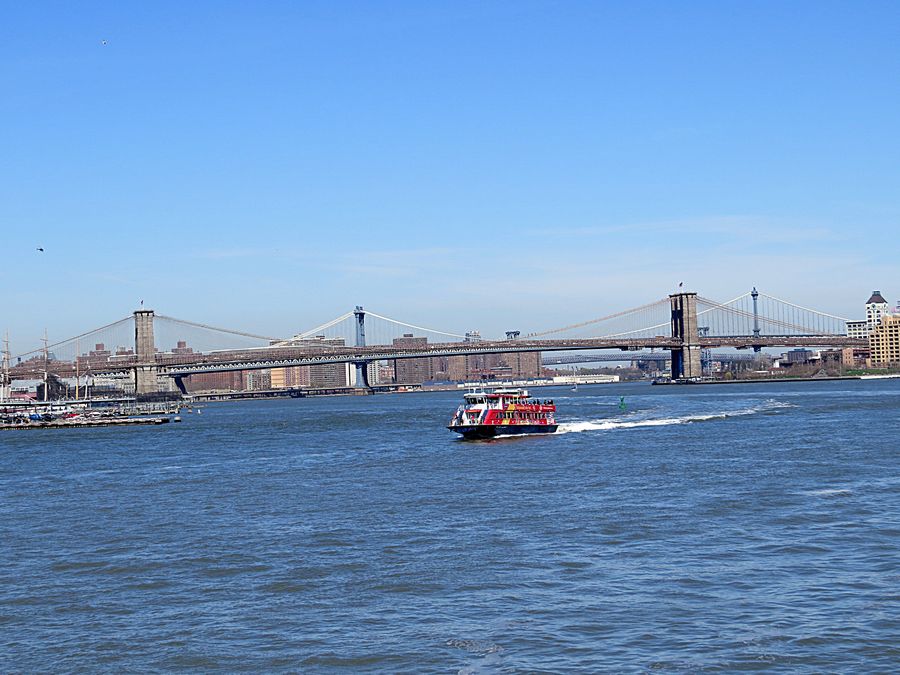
527, 364
332, 375
519, 365
415, 370
324, 376
884, 342
286, 378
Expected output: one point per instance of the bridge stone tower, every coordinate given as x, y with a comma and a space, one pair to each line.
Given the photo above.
686, 361
145, 370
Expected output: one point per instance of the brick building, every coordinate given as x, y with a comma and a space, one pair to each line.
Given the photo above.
412, 371
884, 342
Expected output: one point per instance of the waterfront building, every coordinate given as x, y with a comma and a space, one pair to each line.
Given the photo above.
518, 365
524, 364
827, 357
795, 357
884, 342
287, 378
384, 372
468, 367
324, 376
876, 308
24, 390
412, 371
855, 357
857, 329
221, 382
257, 380
373, 371
332, 375
278, 378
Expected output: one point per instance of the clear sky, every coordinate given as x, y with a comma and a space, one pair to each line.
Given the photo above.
492, 165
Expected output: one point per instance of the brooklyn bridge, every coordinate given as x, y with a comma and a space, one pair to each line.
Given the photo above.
684, 324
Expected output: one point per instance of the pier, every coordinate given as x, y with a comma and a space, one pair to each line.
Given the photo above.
87, 423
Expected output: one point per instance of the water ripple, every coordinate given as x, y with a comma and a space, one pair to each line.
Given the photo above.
701, 529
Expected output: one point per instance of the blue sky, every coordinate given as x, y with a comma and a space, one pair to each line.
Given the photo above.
267, 166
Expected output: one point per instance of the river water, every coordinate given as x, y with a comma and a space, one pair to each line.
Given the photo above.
742, 527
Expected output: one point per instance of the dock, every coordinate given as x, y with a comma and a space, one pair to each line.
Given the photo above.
83, 424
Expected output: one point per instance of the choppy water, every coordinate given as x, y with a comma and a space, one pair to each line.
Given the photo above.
702, 528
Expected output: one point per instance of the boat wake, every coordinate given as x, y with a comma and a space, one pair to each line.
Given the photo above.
632, 423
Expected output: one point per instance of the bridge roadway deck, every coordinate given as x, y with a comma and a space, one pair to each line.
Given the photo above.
179, 365
660, 356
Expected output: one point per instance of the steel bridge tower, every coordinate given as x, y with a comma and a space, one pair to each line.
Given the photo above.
362, 367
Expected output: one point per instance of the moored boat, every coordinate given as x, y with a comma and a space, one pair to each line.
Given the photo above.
503, 412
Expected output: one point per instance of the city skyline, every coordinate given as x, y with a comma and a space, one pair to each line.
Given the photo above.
268, 167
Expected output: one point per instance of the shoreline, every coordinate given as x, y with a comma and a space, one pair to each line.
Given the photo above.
763, 381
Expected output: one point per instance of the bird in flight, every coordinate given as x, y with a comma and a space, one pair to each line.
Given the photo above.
41, 249
104, 42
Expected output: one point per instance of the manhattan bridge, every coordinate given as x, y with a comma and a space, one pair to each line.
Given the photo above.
684, 324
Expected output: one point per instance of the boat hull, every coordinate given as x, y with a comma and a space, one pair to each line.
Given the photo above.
485, 431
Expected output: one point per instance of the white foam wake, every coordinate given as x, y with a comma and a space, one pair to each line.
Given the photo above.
624, 423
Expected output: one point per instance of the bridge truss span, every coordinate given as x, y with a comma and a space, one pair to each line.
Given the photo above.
148, 345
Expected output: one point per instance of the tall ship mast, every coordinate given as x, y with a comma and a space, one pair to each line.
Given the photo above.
5, 382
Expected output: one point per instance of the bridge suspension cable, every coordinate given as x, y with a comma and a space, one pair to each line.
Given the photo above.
744, 314
317, 329
721, 304
616, 315
639, 330
409, 325
73, 339
194, 324
805, 309
748, 315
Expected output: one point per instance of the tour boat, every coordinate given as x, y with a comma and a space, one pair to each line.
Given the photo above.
503, 412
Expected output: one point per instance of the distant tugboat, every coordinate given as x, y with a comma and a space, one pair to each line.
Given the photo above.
503, 412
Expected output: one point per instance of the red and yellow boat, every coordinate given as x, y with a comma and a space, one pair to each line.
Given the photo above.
503, 412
